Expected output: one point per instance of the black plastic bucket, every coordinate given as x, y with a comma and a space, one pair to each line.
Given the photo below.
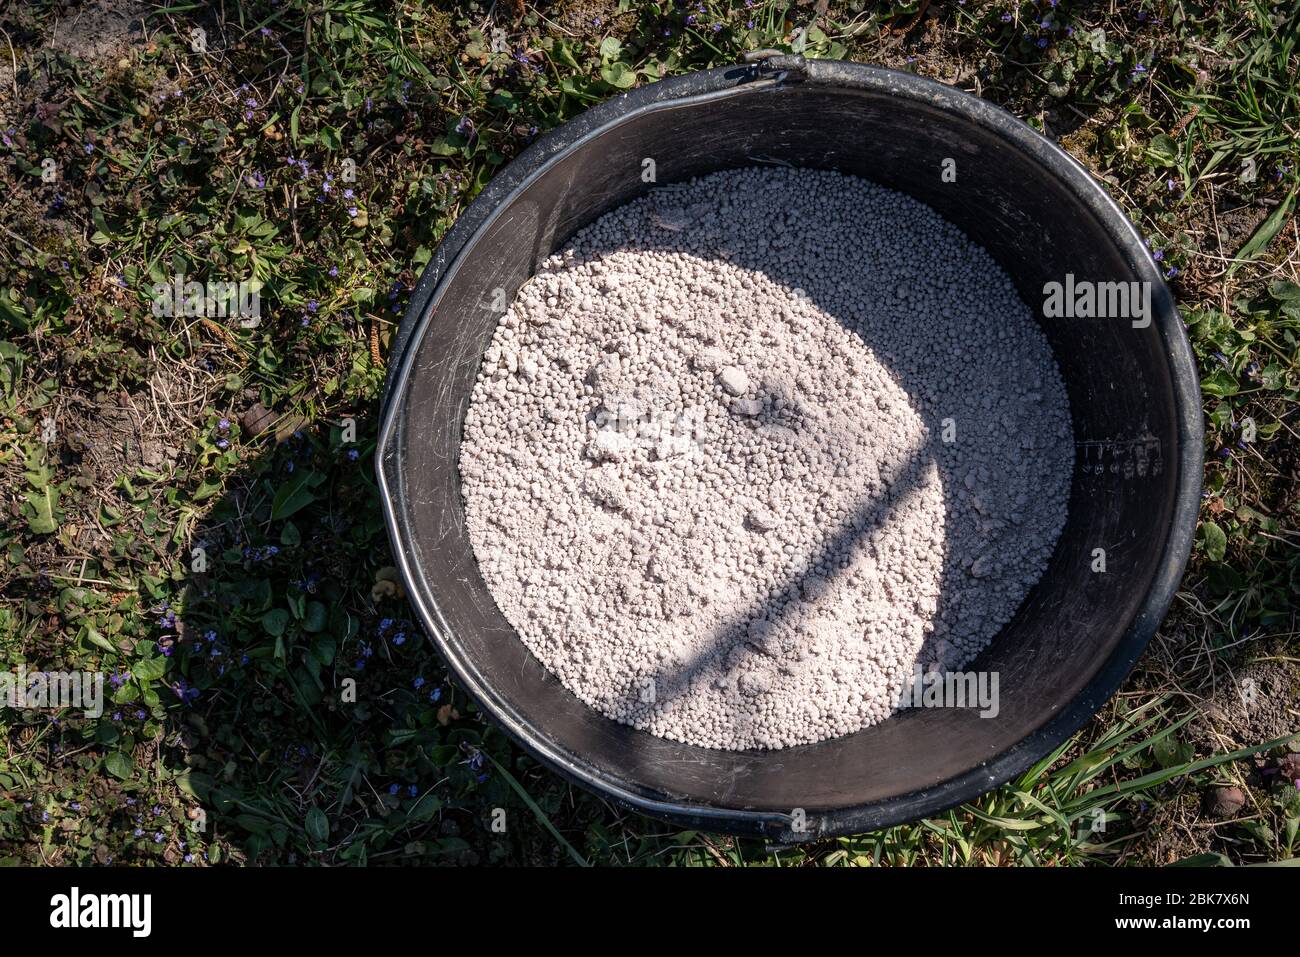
1132, 388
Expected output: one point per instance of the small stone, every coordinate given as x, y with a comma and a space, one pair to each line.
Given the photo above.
734, 380
1225, 802
256, 419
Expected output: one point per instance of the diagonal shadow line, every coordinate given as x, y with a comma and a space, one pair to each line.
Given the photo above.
869, 517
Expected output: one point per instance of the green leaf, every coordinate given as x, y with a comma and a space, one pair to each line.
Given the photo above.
118, 764
207, 488
610, 48
275, 621
106, 733
1085, 762
252, 823
293, 495
1208, 859
1284, 290
40, 517
1214, 540
316, 618
323, 649
1163, 149
318, 825
1219, 383
95, 638
443, 754
449, 845
1259, 831
1261, 237
619, 75
196, 784
425, 809
150, 669
1168, 752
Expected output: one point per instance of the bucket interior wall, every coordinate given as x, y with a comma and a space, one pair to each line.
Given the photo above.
1117, 379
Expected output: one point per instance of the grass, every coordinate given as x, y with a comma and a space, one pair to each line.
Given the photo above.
191, 501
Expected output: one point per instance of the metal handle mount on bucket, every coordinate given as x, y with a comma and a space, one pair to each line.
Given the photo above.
786, 66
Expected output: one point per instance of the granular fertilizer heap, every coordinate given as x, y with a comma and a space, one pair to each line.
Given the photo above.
755, 447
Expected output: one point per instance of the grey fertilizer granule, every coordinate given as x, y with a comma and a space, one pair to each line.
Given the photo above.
753, 448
